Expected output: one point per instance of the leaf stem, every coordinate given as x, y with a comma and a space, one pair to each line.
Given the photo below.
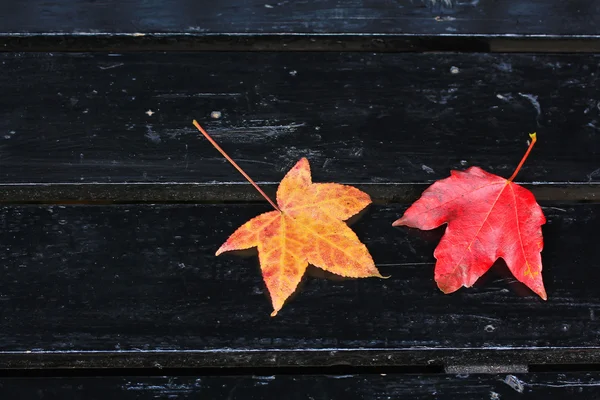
212, 141
533, 137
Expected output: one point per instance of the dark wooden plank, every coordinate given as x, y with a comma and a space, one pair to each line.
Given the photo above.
348, 387
74, 120
302, 24
139, 286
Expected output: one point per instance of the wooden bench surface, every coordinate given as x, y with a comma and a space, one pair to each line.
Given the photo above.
331, 25
502, 17
353, 387
135, 285
112, 205
389, 123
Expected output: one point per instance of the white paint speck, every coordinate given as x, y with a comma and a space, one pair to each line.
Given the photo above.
10, 134
454, 70
215, 114
268, 6
150, 113
427, 169
489, 328
293, 72
463, 162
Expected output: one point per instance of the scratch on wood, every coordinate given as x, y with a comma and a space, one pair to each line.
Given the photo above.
253, 134
434, 3
444, 18
562, 384
594, 174
515, 383
104, 67
592, 125
554, 208
536, 104
153, 136
187, 95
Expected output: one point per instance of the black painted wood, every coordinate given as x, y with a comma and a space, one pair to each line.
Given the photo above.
539, 386
83, 125
139, 286
375, 25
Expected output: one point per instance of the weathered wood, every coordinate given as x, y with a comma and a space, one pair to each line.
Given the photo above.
139, 286
539, 386
74, 121
373, 25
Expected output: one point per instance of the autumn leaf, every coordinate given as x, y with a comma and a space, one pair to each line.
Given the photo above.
307, 227
488, 217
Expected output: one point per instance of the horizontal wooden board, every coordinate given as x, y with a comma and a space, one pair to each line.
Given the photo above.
73, 121
139, 286
303, 24
368, 387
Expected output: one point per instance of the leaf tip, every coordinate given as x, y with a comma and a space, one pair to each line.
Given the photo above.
274, 313
302, 164
221, 250
542, 294
398, 222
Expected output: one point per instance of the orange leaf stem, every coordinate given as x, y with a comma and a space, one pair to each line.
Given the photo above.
533, 137
212, 141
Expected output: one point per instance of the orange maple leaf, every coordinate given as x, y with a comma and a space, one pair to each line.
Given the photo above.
306, 228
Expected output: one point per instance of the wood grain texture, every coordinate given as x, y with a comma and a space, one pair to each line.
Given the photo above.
577, 17
348, 387
139, 286
365, 119
301, 24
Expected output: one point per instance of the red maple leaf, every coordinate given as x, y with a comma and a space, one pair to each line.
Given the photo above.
488, 217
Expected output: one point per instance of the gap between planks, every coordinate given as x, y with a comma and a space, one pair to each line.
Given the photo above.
297, 41
241, 192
